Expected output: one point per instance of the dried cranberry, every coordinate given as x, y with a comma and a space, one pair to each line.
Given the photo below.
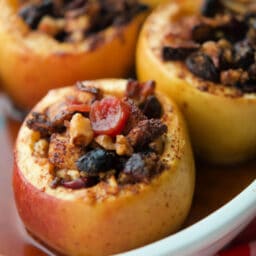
96, 161
202, 65
83, 182
109, 115
73, 184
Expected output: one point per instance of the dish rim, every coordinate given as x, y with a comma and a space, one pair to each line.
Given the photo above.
222, 222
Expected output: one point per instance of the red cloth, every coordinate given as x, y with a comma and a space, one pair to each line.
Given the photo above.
244, 244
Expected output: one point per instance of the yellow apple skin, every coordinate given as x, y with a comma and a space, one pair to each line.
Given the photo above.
71, 222
222, 127
31, 63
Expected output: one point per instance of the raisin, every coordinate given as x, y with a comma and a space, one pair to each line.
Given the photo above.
139, 91
32, 14
202, 65
202, 32
151, 107
177, 53
140, 166
210, 8
46, 7
248, 87
234, 30
96, 161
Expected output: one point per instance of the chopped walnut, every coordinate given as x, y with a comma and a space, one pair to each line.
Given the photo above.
73, 174
123, 147
68, 174
81, 23
41, 148
113, 186
105, 141
233, 77
80, 130
62, 174
51, 26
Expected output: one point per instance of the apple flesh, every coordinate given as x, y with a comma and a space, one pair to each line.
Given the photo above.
93, 221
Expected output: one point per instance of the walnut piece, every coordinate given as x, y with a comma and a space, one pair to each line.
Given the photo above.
80, 130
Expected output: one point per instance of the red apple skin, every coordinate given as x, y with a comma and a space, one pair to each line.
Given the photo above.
26, 196
144, 213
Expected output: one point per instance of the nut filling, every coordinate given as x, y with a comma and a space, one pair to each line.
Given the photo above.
72, 21
217, 46
90, 137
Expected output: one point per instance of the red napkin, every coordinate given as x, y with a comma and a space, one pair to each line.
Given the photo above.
244, 244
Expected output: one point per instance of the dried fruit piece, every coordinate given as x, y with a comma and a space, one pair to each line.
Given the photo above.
178, 52
96, 161
151, 107
202, 65
145, 132
109, 116
210, 7
140, 166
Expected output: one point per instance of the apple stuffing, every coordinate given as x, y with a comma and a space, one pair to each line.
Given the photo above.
73, 21
103, 137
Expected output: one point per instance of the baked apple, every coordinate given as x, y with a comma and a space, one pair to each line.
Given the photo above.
103, 167
48, 43
203, 55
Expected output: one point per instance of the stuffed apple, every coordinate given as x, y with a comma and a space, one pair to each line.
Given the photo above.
46, 44
103, 167
202, 54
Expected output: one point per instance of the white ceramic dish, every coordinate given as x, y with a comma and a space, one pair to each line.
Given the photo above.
209, 235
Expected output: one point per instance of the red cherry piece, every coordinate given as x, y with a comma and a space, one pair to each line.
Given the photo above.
109, 115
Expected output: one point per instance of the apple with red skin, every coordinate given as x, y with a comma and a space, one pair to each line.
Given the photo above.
95, 221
